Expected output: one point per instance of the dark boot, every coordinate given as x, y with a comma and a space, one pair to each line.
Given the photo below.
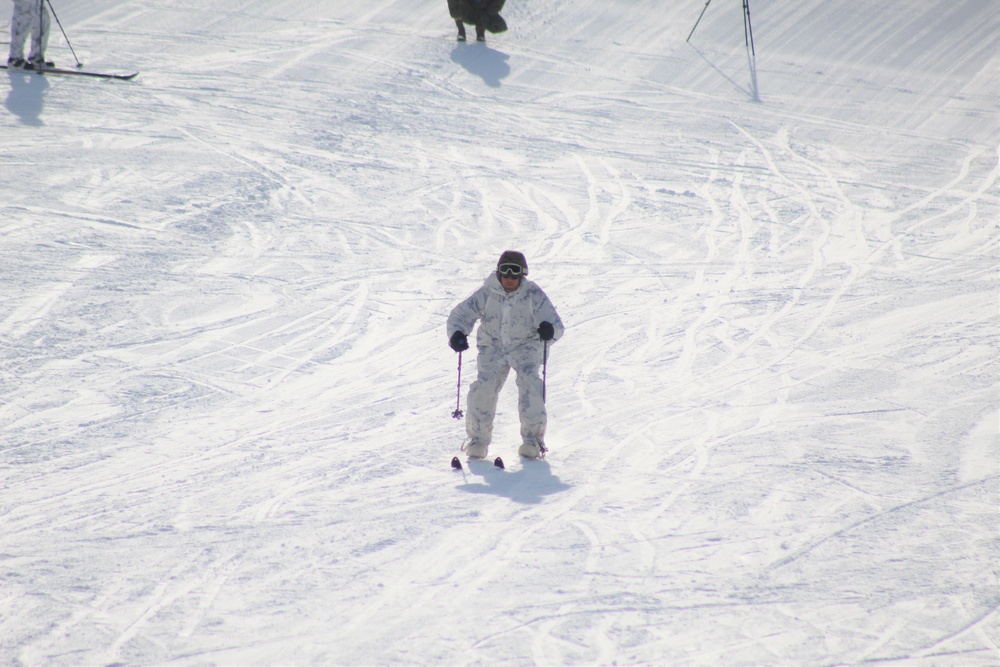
480, 32
461, 30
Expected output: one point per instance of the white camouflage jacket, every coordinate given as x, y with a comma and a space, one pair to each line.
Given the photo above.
507, 321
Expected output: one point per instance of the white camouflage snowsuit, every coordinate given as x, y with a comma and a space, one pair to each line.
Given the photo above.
507, 338
33, 16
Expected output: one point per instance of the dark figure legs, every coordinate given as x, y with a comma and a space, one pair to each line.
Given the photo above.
480, 31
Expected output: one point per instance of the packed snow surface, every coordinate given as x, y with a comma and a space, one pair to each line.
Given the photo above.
226, 390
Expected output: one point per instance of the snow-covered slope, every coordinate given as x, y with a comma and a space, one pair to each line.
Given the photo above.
225, 389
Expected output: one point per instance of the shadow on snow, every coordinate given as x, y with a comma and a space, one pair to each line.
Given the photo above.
488, 64
528, 485
26, 96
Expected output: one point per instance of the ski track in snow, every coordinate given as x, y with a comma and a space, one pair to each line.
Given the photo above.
225, 388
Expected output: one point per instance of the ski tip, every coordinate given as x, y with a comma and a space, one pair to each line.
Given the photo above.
498, 462
455, 463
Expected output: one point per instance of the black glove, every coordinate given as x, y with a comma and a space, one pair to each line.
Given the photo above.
458, 342
546, 331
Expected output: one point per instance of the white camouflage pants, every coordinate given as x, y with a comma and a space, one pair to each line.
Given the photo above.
493, 367
33, 16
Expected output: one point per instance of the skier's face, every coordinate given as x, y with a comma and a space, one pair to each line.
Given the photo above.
509, 283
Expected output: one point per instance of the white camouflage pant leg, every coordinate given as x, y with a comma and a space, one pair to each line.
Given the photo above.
530, 402
33, 16
491, 373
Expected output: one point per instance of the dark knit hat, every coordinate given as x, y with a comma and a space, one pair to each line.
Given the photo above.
514, 257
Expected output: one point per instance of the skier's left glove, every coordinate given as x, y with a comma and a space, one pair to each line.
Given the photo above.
458, 342
546, 331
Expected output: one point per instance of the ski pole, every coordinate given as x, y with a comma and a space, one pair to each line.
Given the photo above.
545, 363
698, 21
751, 51
748, 28
59, 23
458, 414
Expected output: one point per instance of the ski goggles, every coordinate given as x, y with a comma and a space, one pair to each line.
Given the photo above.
510, 271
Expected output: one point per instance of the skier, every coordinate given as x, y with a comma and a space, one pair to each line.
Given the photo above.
484, 14
29, 15
517, 321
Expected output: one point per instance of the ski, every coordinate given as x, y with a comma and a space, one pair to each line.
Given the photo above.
78, 72
457, 464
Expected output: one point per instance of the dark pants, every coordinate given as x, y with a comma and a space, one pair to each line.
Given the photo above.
476, 12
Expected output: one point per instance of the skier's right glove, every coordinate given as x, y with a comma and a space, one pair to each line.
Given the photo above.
458, 342
546, 331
